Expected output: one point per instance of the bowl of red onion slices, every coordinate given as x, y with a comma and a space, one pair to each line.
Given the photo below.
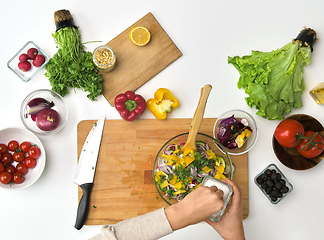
236, 130
177, 173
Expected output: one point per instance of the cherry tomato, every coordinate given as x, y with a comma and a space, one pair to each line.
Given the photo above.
10, 169
7, 158
21, 168
33, 152
13, 145
5, 177
19, 156
2, 169
18, 178
30, 162
24, 146
287, 131
3, 148
315, 150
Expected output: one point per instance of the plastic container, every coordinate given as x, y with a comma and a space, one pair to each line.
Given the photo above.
13, 62
226, 188
272, 167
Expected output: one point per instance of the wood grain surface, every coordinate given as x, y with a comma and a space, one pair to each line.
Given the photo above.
136, 65
123, 185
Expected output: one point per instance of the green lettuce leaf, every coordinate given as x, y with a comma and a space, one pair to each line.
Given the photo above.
273, 80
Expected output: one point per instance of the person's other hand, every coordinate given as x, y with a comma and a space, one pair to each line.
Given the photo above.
231, 224
195, 207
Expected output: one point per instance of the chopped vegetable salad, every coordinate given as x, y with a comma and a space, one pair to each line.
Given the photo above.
178, 173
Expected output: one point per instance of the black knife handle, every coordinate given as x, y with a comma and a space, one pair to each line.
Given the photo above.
83, 207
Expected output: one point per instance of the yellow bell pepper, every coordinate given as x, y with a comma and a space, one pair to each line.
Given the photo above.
162, 103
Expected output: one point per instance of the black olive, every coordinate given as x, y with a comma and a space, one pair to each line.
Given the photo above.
279, 195
259, 180
278, 177
264, 176
274, 198
285, 189
269, 183
264, 186
268, 190
278, 185
273, 176
283, 182
268, 172
273, 193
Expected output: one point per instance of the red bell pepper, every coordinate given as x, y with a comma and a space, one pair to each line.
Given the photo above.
130, 105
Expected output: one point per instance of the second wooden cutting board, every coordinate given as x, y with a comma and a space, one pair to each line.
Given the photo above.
123, 185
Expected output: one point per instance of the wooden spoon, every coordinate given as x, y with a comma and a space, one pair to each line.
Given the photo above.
197, 119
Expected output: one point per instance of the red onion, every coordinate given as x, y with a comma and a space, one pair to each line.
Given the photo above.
48, 119
38, 104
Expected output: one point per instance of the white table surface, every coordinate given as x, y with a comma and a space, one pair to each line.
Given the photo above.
206, 32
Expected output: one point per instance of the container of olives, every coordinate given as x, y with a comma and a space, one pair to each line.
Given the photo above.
273, 183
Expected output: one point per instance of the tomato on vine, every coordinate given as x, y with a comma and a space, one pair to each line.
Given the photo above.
287, 132
311, 145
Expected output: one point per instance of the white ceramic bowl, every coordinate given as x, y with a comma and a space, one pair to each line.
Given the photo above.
20, 135
252, 124
59, 106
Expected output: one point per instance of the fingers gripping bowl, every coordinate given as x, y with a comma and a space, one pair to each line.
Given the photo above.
178, 173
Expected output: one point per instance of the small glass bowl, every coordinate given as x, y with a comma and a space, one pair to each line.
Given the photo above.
252, 124
104, 58
13, 62
180, 139
59, 106
273, 167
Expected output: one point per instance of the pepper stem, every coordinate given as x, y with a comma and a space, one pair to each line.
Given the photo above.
130, 105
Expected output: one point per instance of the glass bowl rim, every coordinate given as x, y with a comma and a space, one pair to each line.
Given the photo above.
181, 134
255, 124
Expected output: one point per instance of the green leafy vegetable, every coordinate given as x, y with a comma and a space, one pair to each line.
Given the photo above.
274, 80
72, 65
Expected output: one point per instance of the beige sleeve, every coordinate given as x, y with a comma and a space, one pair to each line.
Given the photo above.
150, 226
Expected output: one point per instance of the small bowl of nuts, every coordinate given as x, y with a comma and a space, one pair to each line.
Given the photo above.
104, 58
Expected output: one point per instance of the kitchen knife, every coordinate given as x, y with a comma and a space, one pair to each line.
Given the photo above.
86, 169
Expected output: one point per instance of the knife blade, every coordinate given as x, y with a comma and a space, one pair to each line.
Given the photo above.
86, 168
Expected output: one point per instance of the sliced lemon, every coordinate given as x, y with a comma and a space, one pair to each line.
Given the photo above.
140, 36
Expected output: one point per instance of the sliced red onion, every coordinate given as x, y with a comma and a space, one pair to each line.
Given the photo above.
36, 105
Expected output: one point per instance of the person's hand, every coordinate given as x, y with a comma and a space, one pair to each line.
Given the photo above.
231, 224
197, 206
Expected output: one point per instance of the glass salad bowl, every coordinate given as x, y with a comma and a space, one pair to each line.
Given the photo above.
175, 173
238, 132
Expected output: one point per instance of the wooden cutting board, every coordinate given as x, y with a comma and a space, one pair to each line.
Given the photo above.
123, 185
136, 65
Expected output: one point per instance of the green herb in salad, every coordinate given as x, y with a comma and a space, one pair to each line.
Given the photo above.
178, 173
274, 80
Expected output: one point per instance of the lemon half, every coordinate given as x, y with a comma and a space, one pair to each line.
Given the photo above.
140, 36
